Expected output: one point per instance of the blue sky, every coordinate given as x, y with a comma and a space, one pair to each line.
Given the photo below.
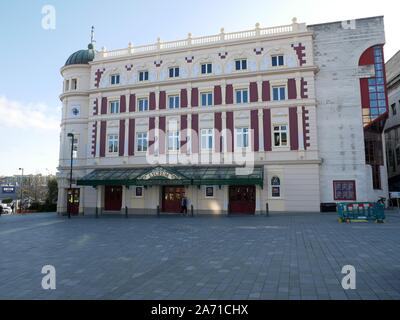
31, 57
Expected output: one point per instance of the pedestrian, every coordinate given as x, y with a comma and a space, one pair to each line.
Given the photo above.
1, 209
184, 205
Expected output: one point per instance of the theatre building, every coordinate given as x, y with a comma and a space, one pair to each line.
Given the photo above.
290, 116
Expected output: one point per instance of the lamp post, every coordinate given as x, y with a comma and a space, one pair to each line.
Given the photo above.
20, 186
71, 135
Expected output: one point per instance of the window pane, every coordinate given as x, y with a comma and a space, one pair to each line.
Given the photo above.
209, 68
245, 96
282, 93
210, 102
281, 61
203, 68
237, 65
244, 64
274, 61
276, 93
238, 97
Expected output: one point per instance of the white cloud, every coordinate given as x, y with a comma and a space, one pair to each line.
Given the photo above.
15, 114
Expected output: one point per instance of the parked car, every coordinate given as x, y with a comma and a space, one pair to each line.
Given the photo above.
6, 209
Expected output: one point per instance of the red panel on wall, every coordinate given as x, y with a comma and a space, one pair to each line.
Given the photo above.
365, 102
132, 103
294, 129
267, 130
184, 98
253, 92
266, 91
183, 133
230, 133
104, 106
229, 94
292, 92
152, 126
217, 95
96, 107
218, 129
121, 138
163, 100
162, 133
367, 58
152, 102
122, 102
195, 135
254, 127
195, 97
132, 135
103, 132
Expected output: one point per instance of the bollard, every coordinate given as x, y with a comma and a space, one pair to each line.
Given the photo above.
192, 210
158, 211
126, 212
97, 212
267, 210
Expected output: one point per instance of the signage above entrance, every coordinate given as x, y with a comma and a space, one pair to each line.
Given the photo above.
160, 172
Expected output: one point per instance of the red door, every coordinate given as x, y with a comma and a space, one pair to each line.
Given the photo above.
172, 199
242, 199
113, 198
73, 201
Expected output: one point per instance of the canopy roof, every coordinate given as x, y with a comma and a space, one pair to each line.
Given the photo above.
175, 176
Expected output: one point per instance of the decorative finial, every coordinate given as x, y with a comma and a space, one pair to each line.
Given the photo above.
92, 40
294, 20
189, 35
222, 30
257, 25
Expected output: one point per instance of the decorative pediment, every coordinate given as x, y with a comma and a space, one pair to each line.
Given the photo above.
160, 173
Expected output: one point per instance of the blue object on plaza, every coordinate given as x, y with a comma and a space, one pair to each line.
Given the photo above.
361, 211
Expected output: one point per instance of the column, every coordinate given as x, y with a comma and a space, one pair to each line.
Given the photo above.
223, 89
189, 95
259, 89
301, 128
261, 128
298, 87
127, 133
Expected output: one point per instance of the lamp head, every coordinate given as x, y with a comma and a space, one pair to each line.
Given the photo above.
70, 135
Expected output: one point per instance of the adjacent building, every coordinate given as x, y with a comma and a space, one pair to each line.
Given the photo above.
392, 128
290, 116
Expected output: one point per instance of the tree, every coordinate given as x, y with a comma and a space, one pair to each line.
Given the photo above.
52, 191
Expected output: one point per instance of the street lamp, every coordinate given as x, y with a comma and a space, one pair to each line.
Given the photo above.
71, 135
20, 186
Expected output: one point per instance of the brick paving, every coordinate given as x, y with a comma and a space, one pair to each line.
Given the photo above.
285, 256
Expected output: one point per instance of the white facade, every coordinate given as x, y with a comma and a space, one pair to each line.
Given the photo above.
320, 113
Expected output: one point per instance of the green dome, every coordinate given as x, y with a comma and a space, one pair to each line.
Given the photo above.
81, 56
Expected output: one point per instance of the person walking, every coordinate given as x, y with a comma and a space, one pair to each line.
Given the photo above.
184, 205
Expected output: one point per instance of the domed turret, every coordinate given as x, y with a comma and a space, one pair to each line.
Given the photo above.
82, 56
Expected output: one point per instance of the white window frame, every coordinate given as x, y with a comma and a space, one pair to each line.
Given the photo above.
176, 101
280, 131
207, 72
241, 90
74, 84
276, 186
277, 60
114, 107
173, 136
115, 76
205, 134
279, 92
205, 192
207, 93
113, 142
76, 147
241, 64
241, 133
144, 138
143, 72
147, 104
174, 72
66, 88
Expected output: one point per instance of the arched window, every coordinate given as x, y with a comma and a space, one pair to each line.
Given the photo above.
276, 187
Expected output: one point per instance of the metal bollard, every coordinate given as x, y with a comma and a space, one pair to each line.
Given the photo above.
158, 211
192, 210
126, 212
267, 210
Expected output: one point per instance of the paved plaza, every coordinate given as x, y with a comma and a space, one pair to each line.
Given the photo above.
284, 256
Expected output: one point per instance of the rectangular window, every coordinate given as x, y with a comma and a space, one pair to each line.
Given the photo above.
394, 111
242, 96
143, 104
114, 106
113, 143
376, 177
141, 141
279, 93
66, 85
242, 137
280, 135
173, 140
344, 190
207, 138
143, 75
209, 192
174, 72
75, 148
114, 79
173, 102
74, 84
206, 99
139, 192
241, 64
206, 68
278, 61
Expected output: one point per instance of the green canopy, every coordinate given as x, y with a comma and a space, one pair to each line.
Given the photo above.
146, 176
